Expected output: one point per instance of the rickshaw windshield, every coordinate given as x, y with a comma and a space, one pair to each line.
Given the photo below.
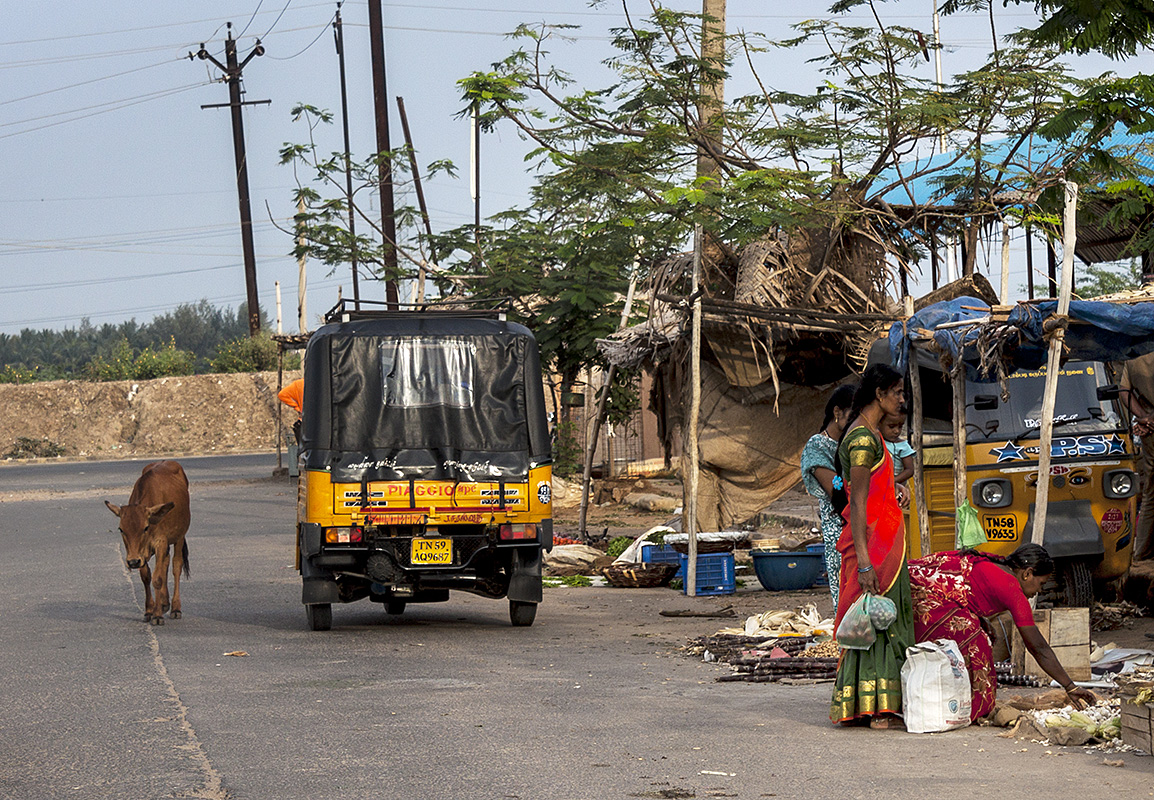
1077, 409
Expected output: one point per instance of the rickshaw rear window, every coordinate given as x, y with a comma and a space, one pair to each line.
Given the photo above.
423, 372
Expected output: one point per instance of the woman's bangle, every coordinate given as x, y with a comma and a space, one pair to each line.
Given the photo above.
864, 571
1071, 687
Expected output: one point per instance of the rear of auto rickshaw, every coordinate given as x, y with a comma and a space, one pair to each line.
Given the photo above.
426, 462
1092, 508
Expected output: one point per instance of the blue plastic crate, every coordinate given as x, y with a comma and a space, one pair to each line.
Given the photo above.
663, 554
715, 573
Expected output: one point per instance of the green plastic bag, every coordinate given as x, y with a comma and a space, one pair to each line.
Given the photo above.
968, 531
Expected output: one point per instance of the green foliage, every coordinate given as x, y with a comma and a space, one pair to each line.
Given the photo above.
246, 354
122, 363
567, 453
17, 374
1095, 280
618, 545
179, 342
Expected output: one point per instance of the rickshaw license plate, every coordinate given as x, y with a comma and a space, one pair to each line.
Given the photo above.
1001, 528
432, 551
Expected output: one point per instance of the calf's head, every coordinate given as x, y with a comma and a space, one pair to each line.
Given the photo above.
135, 521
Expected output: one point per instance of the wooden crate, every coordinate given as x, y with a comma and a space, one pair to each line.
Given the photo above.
1138, 725
1068, 632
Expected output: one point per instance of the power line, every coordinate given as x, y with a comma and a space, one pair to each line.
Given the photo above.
123, 104
36, 287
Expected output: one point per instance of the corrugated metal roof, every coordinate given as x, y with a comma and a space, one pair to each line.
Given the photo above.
918, 183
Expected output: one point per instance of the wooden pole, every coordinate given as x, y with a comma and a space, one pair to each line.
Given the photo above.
420, 196
302, 276
691, 456
958, 378
916, 435
1050, 394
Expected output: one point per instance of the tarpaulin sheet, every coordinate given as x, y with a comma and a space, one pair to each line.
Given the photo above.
1098, 331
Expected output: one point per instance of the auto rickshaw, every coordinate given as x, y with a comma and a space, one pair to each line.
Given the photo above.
426, 462
1092, 504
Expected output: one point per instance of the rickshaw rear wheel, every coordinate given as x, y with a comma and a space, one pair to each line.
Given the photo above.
1078, 586
395, 607
320, 616
522, 614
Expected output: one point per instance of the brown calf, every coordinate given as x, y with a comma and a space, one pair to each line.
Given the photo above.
155, 519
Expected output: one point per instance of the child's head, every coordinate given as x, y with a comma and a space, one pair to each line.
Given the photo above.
892, 426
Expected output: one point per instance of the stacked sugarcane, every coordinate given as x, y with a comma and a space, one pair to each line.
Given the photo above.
777, 659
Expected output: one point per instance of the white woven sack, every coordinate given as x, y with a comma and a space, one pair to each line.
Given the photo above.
935, 687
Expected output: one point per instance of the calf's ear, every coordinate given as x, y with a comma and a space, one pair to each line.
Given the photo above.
114, 509
156, 513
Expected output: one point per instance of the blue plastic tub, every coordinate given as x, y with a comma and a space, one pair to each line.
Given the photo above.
822, 579
785, 572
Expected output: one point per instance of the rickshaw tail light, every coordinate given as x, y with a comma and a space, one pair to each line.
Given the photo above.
511, 531
344, 535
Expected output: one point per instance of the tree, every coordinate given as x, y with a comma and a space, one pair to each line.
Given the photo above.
823, 166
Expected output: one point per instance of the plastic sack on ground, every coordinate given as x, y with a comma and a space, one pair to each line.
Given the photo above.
882, 611
935, 687
856, 631
968, 531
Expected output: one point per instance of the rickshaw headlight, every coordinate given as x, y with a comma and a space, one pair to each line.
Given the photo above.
1120, 483
993, 493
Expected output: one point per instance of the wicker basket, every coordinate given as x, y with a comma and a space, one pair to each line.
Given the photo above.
639, 576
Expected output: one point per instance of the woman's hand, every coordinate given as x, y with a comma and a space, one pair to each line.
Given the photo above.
869, 582
1080, 698
903, 495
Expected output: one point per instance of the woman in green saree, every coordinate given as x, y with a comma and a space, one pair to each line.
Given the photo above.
872, 546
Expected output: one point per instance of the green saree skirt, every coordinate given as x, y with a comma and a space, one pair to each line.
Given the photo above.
870, 681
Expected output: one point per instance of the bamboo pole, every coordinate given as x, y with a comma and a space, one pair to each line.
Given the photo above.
1050, 394
690, 456
916, 434
1005, 262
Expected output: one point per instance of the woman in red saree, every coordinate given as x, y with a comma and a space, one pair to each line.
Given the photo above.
868, 686
954, 592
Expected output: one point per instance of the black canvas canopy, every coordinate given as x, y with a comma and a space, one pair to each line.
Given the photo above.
424, 396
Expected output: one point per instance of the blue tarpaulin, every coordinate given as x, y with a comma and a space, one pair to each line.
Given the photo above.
1098, 331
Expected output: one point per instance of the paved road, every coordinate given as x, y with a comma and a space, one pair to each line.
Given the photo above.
446, 702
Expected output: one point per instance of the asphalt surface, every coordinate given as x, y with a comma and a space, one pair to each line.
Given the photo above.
447, 701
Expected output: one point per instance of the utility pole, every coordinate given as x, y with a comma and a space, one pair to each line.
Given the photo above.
339, 35
232, 75
384, 167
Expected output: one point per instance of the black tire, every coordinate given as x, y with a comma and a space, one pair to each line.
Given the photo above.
522, 614
395, 607
320, 616
1077, 585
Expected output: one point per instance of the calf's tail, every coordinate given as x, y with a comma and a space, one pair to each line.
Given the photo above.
184, 555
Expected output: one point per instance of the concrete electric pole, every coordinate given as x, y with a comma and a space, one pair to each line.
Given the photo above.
232, 74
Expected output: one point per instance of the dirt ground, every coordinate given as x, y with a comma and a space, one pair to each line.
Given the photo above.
189, 415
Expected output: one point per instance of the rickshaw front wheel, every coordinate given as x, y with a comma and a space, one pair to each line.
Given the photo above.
522, 614
395, 607
320, 616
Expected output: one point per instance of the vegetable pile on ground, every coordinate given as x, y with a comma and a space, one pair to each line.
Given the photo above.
792, 646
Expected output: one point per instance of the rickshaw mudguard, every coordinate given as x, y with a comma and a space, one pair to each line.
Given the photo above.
1070, 530
525, 580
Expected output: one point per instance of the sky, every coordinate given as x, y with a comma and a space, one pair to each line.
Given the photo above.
120, 196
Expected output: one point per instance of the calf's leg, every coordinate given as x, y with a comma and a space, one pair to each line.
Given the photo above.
160, 585
146, 579
178, 551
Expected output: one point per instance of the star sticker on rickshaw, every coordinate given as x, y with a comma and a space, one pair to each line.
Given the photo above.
1115, 444
1008, 452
